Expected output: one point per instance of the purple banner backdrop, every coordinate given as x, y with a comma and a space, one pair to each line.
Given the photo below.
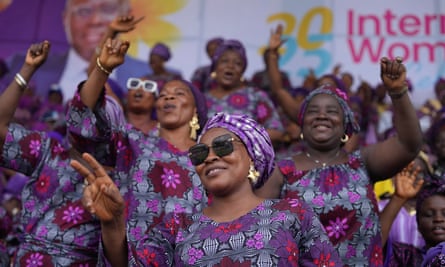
24, 22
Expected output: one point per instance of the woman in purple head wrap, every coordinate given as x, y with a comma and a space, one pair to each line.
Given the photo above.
234, 154
201, 76
230, 93
338, 184
159, 55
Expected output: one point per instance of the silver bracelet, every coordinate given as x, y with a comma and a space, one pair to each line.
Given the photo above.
20, 81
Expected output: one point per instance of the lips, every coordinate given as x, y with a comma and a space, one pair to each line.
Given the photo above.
321, 126
438, 230
228, 75
168, 107
213, 170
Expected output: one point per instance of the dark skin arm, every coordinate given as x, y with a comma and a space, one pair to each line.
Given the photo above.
284, 98
406, 187
102, 198
387, 158
112, 54
35, 57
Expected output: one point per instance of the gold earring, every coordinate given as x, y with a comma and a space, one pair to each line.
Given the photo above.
345, 138
301, 136
194, 127
241, 79
213, 75
253, 174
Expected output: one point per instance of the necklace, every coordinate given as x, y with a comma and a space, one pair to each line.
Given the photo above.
323, 164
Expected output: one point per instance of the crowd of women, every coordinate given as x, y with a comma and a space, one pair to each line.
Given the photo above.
221, 171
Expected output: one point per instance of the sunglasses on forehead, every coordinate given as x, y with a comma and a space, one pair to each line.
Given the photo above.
221, 145
146, 85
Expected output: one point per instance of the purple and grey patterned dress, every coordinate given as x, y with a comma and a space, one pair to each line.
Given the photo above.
156, 178
58, 230
342, 195
275, 233
249, 101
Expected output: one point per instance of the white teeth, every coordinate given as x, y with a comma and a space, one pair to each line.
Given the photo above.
212, 171
321, 127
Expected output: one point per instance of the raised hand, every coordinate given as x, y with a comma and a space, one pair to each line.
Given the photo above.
275, 40
113, 53
37, 54
393, 74
407, 184
101, 196
124, 24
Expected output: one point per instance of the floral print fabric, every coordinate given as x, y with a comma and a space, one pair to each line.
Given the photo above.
275, 233
154, 176
343, 198
58, 230
249, 101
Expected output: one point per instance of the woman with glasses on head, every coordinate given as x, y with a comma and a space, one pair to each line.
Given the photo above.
152, 170
140, 101
234, 156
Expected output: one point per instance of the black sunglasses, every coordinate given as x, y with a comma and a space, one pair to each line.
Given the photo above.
221, 145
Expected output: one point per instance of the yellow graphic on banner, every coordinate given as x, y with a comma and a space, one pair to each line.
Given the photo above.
154, 28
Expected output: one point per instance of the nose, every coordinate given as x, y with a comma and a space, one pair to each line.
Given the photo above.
321, 114
211, 156
438, 217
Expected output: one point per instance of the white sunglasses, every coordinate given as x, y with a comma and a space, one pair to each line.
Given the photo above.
146, 85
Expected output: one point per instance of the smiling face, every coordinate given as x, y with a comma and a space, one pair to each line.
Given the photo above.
227, 174
323, 121
431, 220
229, 69
175, 105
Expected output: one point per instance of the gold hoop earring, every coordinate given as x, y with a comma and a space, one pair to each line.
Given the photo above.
253, 174
213, 75
301, 136
194, 127
345, 138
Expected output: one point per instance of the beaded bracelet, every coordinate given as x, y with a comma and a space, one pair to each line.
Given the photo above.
104, 70
399, 94
20, 81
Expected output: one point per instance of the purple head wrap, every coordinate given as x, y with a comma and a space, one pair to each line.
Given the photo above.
217, 40
161, 50
233, 45
254, 137
351, 125
200, 103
